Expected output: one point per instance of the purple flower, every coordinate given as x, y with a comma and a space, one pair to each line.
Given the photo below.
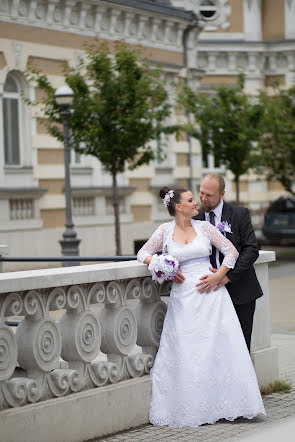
224, 227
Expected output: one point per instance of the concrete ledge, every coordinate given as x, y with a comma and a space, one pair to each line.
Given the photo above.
81, 416
266, 365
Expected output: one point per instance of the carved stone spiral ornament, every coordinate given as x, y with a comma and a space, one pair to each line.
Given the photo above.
113, 293
34, 352
39, 344
8, 352
96, 294
119, 330
132, 290
150, 319
81, 336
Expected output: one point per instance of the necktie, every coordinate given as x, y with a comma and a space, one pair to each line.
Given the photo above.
213, 255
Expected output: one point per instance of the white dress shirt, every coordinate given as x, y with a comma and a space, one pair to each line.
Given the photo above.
217, 212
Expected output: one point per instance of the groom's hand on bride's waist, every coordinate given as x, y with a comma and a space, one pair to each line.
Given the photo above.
222, 282
179, 277
207, 284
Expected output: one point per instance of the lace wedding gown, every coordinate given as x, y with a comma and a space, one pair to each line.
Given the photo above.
203, 371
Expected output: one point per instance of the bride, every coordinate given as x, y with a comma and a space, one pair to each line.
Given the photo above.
202, 371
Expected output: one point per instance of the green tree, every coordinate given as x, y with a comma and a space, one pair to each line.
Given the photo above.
277, 143
120, 106
227, 125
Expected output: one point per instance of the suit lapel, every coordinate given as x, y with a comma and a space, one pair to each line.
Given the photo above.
200, 216
225, 216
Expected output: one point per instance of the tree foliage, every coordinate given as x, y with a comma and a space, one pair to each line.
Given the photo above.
120, 106
277, 143
227, 125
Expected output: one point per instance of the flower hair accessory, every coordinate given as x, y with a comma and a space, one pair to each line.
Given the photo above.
224, 227
167, 197
163, 267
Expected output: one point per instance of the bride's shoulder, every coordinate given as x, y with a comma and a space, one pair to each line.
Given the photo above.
165, 226
199, 223
204, 226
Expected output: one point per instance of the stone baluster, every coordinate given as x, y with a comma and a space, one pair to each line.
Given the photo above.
272, 63
167, 32
50, 11
291, 61
14, 8
232, 58
81, 336
155, 28
141, 27
212, 62
83, 14
113, 20
119, 331
32, 10
14, 391
98, 18
179, 34
69, 4
150, 314
127, 24
252, 62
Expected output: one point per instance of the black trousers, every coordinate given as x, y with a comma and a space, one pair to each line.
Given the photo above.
245, 314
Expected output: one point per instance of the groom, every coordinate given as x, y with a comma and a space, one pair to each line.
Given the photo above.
241, 282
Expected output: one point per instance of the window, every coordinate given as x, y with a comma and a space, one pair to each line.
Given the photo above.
11, 121
208, 9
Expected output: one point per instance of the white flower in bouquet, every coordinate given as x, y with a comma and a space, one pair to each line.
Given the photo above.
163, 267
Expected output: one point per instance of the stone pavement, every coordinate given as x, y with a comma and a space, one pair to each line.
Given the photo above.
278, 425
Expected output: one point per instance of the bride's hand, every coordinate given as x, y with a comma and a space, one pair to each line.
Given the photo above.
179, 278
208, 282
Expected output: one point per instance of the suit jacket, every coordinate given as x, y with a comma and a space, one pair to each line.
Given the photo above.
243, 286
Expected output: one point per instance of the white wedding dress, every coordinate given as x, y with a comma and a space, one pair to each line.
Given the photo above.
203, 371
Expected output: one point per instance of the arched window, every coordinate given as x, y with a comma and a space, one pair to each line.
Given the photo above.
11, 121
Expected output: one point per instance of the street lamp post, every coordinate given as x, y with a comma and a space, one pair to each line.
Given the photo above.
70, 243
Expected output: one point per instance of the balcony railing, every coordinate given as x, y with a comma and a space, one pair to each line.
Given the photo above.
105, 310
82, 331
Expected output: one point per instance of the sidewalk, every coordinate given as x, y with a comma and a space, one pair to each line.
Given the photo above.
278, 425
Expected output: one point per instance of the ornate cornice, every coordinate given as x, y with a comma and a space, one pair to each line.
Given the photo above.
231, 57
146, 22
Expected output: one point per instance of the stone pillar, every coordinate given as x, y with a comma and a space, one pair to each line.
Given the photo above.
3, 251
264, 356
252, 20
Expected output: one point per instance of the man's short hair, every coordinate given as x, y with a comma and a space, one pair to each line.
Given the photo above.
219, 179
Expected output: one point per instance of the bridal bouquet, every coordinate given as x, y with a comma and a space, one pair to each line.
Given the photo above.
163, 267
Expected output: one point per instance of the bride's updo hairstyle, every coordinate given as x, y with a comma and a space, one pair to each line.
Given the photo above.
174, 200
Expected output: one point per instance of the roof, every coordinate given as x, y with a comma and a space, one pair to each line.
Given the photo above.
159, 6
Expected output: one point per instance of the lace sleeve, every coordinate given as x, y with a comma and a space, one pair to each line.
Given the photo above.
153, 245
221, 243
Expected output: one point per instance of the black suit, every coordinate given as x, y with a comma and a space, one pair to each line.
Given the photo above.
243, 287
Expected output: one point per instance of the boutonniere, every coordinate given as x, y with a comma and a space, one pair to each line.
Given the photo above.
224, 227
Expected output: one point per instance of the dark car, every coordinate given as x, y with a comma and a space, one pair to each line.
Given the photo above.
279, 221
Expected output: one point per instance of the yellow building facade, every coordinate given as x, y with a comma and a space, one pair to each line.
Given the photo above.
255, 36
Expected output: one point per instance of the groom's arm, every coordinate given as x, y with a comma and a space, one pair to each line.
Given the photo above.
248, 246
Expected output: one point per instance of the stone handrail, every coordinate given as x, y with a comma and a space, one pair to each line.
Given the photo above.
105, 309
46, 358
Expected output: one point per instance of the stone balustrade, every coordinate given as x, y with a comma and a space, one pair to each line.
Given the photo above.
77, 341
84, 349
